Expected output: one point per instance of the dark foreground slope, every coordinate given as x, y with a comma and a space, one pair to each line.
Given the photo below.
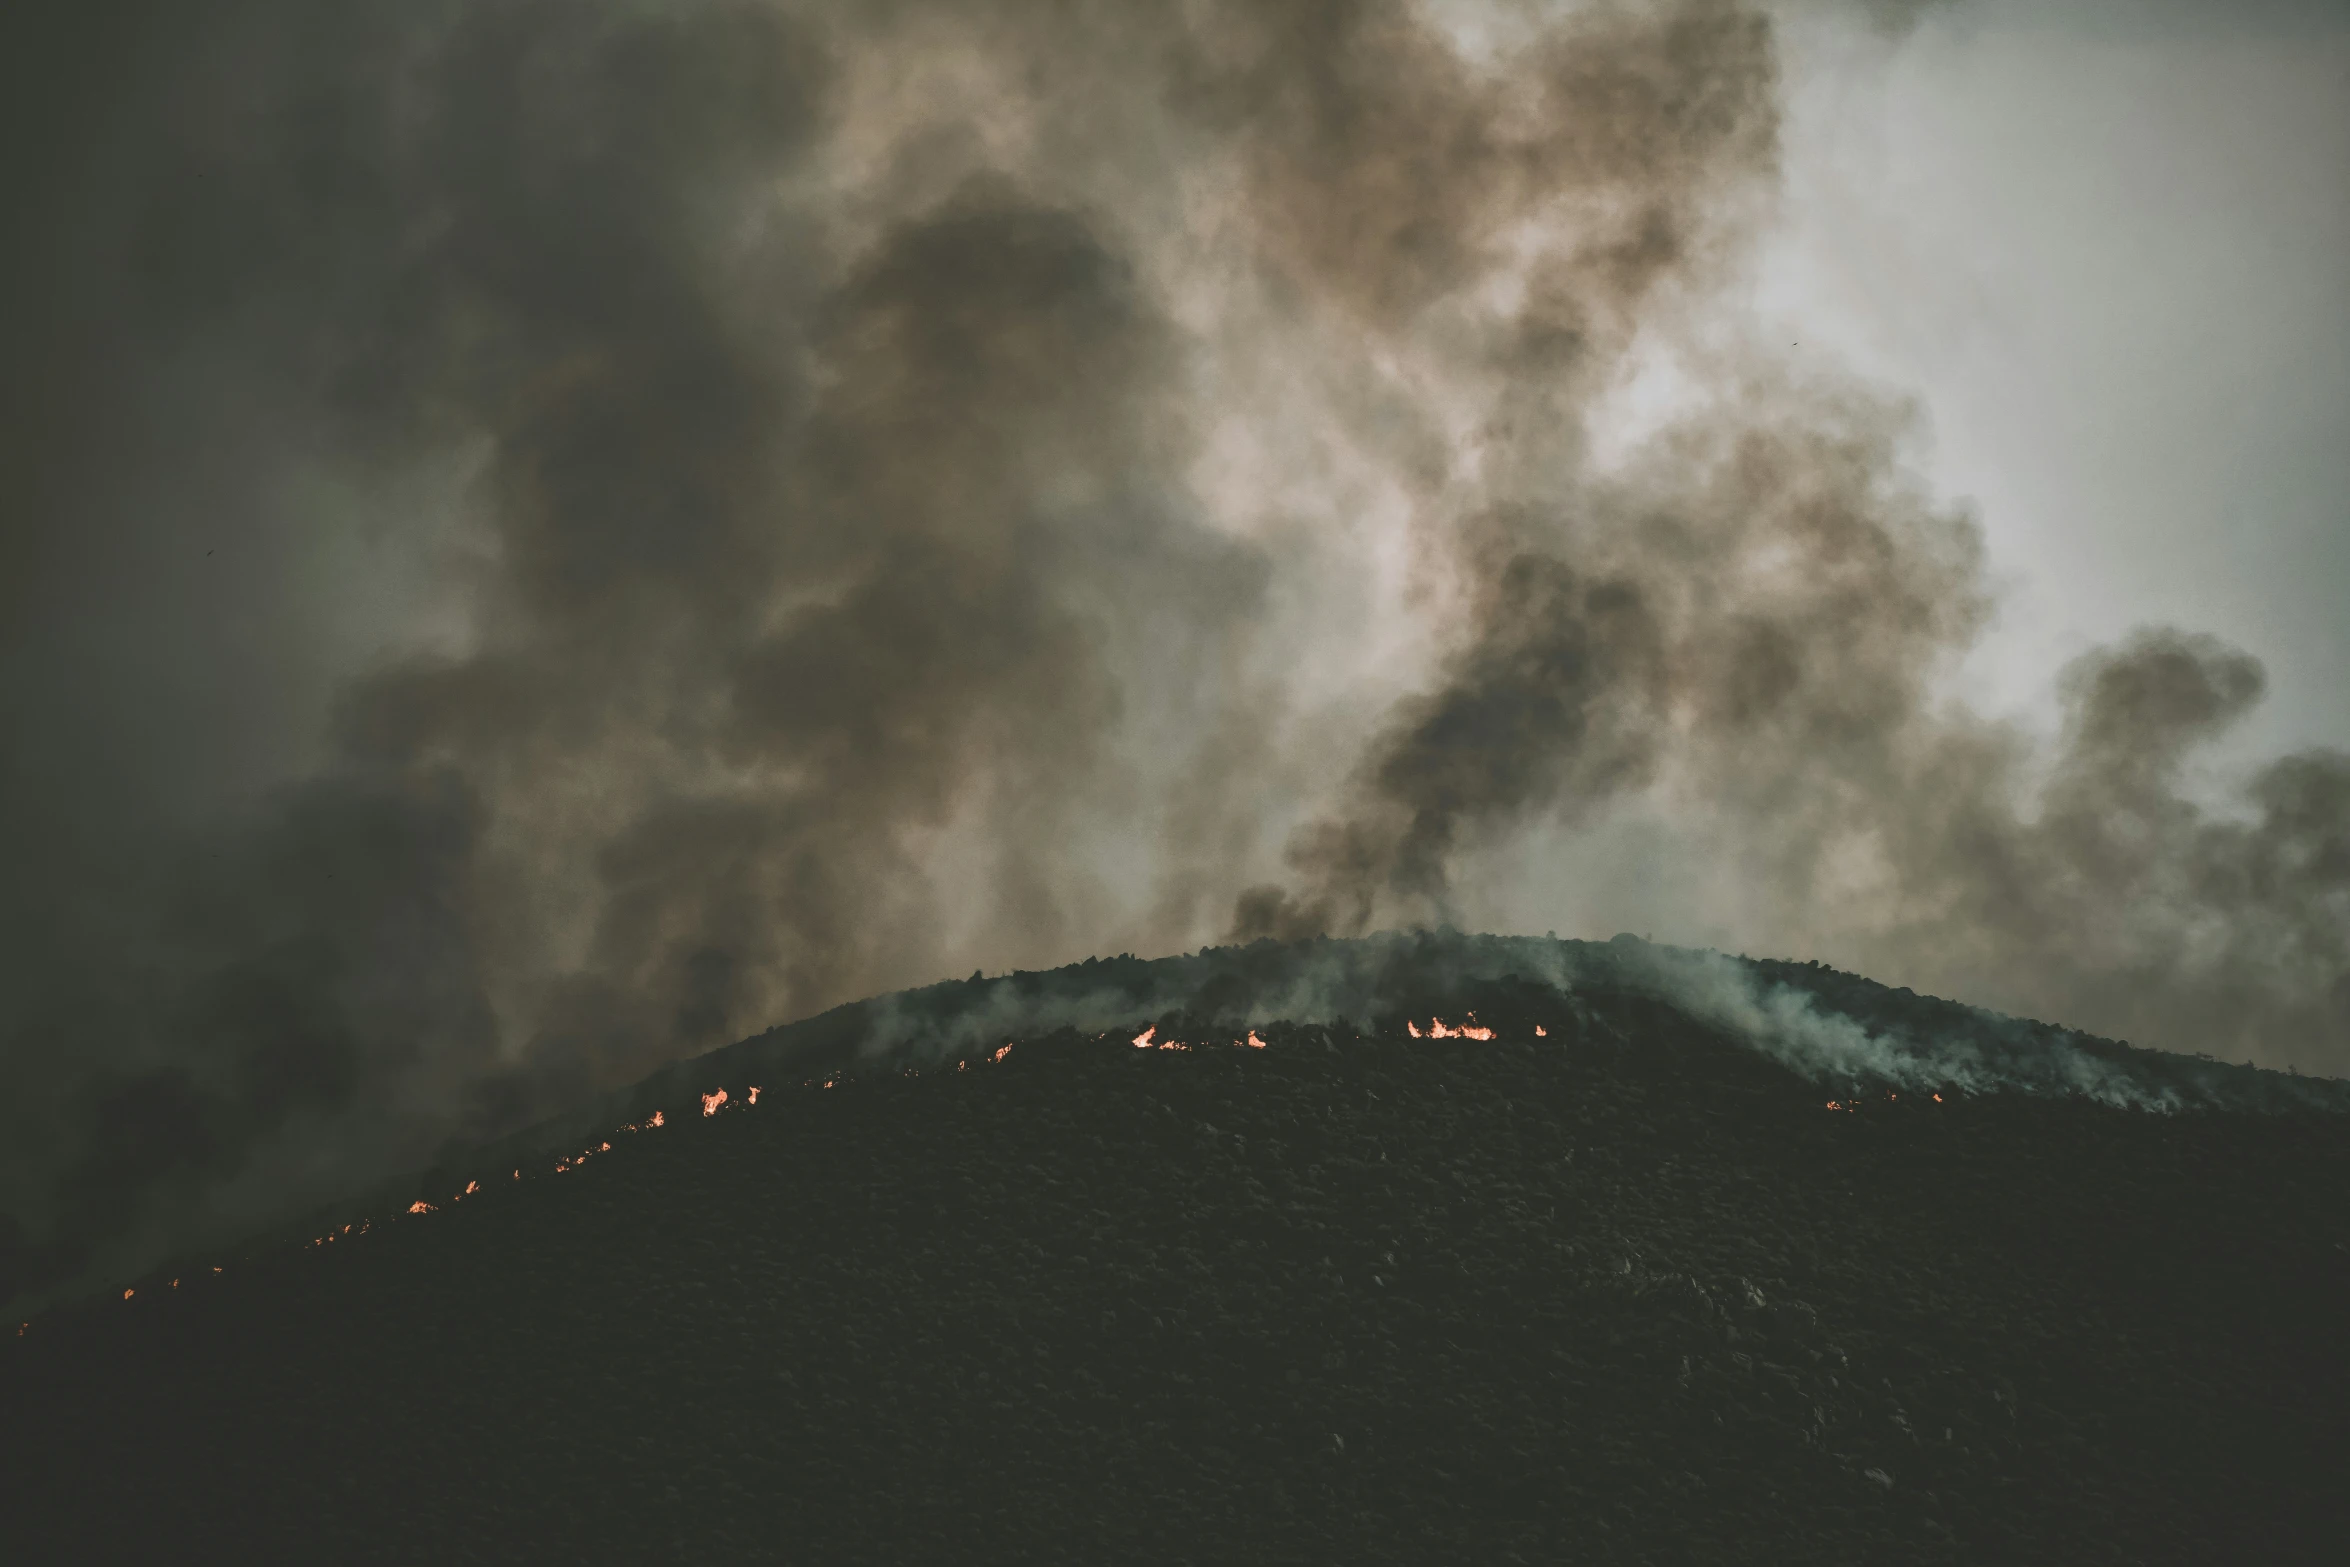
1628, 1291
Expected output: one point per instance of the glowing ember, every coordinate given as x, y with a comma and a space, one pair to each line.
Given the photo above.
1142, 1041
470, 1188
127, 1294
752, 1094
1540, 1032
656, 1120
1937, 1099
998, 1056
1254, 1043
711, 1102
420, 1206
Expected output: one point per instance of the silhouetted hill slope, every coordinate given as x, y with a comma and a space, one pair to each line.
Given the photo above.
1840, 1030
1625, 1291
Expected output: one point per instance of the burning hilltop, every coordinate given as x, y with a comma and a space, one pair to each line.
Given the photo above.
1480, 1258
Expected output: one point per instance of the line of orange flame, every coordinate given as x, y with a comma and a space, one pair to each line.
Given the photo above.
1438, 1029
1854, 1104
1146, 1040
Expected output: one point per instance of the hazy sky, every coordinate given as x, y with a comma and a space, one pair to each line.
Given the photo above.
2107, 245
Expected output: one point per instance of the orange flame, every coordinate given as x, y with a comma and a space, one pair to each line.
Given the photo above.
471, 1187
1415, 1028
711, 1102
752, 1094
998, 1056
1470, 1030
1540, 1032
656, 1120
1254, 1043
1142, 1041
127, 1294
420, 1206
1937, 1099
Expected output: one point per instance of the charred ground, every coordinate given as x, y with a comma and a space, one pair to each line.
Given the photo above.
1626, 1291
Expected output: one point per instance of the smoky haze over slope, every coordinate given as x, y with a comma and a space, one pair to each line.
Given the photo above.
542, 538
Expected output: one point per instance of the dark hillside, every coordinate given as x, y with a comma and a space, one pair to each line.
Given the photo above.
1627, 1291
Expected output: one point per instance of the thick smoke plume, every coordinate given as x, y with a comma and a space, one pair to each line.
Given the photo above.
543, 537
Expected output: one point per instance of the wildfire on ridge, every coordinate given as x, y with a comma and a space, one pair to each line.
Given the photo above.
1853, 1105
1146, 1040
1439, 1029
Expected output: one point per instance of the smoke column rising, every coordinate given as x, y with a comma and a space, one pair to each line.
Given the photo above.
544, 537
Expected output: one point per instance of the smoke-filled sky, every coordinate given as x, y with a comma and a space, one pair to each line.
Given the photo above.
545, 535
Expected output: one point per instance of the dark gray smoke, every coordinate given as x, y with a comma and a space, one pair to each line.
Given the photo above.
545, 535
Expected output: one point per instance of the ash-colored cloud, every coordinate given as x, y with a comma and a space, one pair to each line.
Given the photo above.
545, 537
